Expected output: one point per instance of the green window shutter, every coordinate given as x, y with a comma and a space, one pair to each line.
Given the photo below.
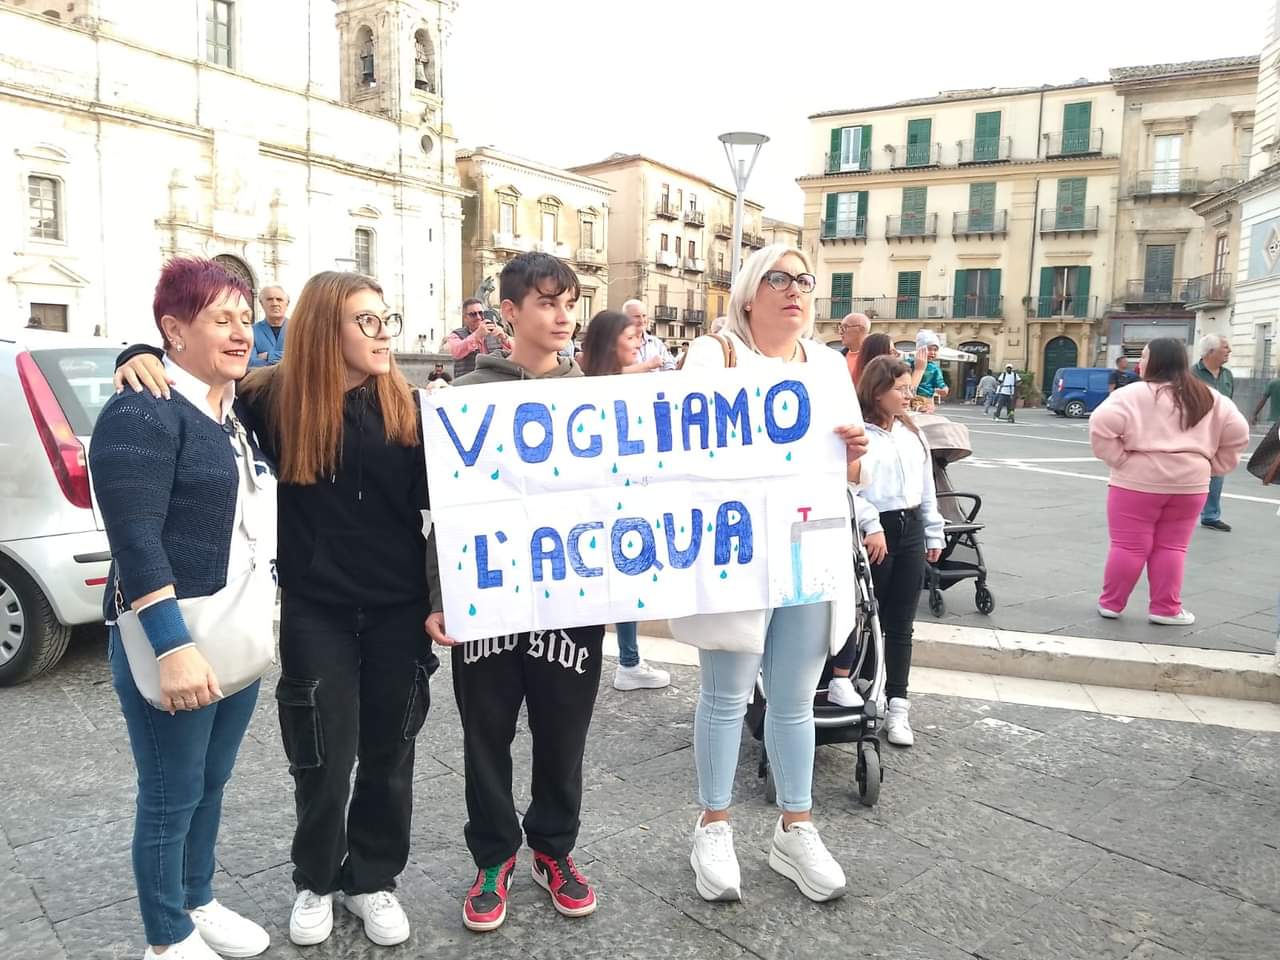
1071, 197
914, 200
982, 206
1080, 299
986, 136
862, 211
829, 222
960, 303
1076, 118
1044, 308
908, 307
864, 157
991, 302
1158, 278
833, 158
841, 295
919, 147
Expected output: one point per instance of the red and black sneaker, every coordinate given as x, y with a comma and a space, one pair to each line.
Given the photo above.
486, 905
570, 892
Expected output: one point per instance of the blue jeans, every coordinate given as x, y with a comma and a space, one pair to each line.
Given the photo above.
796, 645
183, 762
1212, 511
628, 649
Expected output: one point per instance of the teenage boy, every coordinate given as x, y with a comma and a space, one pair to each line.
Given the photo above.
491, 680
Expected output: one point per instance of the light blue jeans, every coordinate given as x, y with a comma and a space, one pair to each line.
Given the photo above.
628, 648
796, 645
1212, 511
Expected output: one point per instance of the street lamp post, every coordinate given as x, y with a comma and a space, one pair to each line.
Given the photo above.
735, 150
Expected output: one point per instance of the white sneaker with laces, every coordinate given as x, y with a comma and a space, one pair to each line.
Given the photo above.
640, 677
311, 921
897, 722
384, 920
800, 855
227, 933
192, 948
1183, 618
842, 693
715, 865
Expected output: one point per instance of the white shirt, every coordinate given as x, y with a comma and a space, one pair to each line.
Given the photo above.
898, 475
1008, 383
651, 347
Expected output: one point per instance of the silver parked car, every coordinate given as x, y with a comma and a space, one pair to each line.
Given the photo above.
53, 549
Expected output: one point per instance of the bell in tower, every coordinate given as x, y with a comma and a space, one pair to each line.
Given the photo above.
392, 56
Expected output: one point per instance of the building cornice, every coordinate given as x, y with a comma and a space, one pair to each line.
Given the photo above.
622, 161
485, 157
965, 174
965, 96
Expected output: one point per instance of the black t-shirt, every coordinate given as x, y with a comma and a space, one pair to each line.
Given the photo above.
1120, 378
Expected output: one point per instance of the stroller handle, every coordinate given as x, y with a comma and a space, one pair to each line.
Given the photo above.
974, 500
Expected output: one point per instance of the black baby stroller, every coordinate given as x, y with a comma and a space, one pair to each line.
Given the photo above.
961, 557
836, 724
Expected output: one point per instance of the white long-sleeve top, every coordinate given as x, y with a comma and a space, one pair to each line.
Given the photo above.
897, 474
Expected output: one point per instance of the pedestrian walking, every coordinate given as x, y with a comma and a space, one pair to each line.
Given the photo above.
770, 324
189, 508
970, 386
1270, 392
1163, 439
612, 346
1007, 391
493, 678
1121, 375
1215, 351
987, 392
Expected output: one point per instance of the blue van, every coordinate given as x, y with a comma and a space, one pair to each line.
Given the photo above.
1077, 391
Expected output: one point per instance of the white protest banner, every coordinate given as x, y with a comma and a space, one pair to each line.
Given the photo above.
562, 503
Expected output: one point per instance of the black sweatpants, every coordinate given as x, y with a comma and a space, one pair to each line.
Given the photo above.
898, 578
354, 683
557, 673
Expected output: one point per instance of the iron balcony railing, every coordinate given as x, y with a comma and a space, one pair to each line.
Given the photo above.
1073, 143
1069, 220
695, 217
846, 228
753, 239
1161, 290
664, 312
916, 155
1166, 181
666, 258
724, 230
1228, 176
666, 208
721, 278
694, 316
1046, 308
835, 163
973, 222
695, 264
1211, 289
908, 307
590, 256
911, 226
985, 149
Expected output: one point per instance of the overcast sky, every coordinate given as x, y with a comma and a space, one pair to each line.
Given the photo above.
540, 80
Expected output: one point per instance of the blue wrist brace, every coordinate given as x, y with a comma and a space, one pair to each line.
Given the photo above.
164, 626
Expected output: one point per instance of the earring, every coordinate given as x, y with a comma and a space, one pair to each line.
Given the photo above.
179, 347
747, 308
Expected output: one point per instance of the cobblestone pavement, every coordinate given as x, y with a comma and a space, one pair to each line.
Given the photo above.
1007, 833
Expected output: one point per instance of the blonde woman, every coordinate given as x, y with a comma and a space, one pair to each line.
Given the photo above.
770, 324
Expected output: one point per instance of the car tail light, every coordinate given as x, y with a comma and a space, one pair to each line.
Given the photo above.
1061, 383
65, 451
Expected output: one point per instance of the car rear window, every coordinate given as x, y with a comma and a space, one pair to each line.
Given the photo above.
81, 380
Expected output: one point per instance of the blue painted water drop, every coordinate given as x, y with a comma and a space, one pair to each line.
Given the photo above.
628, 483
615, 469
494, 475
712, 453
581, 592
499, 448
619, 504
465, 546
602, 415
784, 404
640, 604
517, 588
555, 471
710, 527
788, 456
472, 610
655, 578
733, 434
455, 474
459, 564
724, 575
546, 594
580, 428
757, 391
659, 464
464, 408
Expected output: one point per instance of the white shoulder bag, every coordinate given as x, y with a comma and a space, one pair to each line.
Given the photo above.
234, 628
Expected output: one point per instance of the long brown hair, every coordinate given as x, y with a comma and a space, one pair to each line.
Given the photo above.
874, 381
1167, 365
600, 345
306, 391
875, 345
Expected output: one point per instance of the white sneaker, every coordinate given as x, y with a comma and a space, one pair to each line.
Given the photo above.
715, 865
640, 677
311, 921
384, 920
897, 723
1183, 618
192, 948
227, 933
800, 855
1108, 614
842, 693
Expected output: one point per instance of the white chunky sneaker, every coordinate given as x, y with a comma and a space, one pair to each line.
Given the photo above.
897, 723
1183, 618
192, 948
311, 921
1108, 614
715, 865
227, 933
384, 920
842, 693
640, 677
800, 855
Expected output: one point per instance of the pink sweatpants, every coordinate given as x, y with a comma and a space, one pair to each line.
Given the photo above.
1151, 530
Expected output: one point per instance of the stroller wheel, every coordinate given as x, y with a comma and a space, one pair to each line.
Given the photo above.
868, 774
937, 606
770, 787
984, 599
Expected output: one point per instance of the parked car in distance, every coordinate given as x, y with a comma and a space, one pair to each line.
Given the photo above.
1077, 391
53, 548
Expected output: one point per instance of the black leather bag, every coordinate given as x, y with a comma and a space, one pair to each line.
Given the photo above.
1265, 462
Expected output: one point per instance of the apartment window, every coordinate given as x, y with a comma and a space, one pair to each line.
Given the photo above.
919, 142
662, 294
49, 316
850, 149
982, 206
364, 251
986, 136
548, 228
507, 219
1167, 163
908, 307
914, 203
666, 194
664, 243
588, 235
1071, 198
977, 294
1157, 279
1246, 144
1064, 292
218, 36
680, 199
720, 301
720, 262
688, 299
693, 202
841, 295
584, 308
1076, 121
1221, 250
846, 215
44, 206
693, 250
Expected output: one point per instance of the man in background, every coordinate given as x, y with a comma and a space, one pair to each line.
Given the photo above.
268, 333
1215, 351
650, 346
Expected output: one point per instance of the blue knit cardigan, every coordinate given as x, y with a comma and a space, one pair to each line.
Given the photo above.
166, 480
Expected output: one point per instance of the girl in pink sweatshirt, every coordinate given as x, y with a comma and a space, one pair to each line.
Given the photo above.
1162, 439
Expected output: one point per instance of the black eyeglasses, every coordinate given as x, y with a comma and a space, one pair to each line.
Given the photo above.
781, 280
371, 324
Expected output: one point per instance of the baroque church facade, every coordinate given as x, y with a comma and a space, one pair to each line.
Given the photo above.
281, 138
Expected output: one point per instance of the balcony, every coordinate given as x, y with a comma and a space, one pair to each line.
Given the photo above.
986, 150
1073, 143
755, 240
589, 257
833, 164
911, 226
695, 218
1166, 182
1067, 220
1059, 308
666, 258
1208, 291
850, 228
664, 312
974, 223
511, 242
907, 155
694, 316
721, 278
560, 250
1152, 291
724, 230
666, 209
1228, 176
695, 265
911, 308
